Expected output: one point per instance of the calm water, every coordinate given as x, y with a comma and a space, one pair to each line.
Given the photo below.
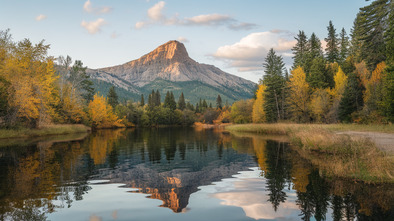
175, 174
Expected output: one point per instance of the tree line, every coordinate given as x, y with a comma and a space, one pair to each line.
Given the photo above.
352, 80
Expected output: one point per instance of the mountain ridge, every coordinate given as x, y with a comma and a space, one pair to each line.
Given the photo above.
171, 62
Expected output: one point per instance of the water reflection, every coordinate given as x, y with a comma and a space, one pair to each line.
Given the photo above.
178, 167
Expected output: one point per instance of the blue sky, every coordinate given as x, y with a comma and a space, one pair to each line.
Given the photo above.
233, 35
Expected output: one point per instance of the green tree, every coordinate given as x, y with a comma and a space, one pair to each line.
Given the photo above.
318, 76
352, 99
181, 102
219, 102
300, 50
142, 102
275, 82
169, 101
371, 24
387, 104
112, 97
344, 46
81, 81
332, 49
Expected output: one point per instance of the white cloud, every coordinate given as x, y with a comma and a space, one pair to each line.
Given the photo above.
155, 13
88, 7
41, 17
94, 26
156, 16
249, 53
183, 39
210, 19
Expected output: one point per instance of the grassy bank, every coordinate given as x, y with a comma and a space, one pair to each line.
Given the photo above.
335, 154
45, 131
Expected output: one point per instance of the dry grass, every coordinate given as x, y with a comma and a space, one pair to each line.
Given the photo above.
336, 154
44, 131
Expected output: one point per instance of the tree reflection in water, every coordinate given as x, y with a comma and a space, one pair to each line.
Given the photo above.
170, 165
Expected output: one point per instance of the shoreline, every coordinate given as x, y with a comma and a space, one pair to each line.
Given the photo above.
49, 130
336, 154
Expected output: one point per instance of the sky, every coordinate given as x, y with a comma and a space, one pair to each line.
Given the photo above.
234, 35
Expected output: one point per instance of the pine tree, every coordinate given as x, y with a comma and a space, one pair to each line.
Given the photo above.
372, 22
157, 98
112, 97
300, 50
352, 99
387, 104
332, 49
219, 104
142, 102
275, 82
172, 101
344, 46
204, 104
318, 75
181, 102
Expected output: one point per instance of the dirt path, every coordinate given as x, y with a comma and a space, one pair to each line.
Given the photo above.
384, 141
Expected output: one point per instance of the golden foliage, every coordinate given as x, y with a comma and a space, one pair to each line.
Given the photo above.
258, 113
33, 81
299, 94
101, 113
320, 104
340, 80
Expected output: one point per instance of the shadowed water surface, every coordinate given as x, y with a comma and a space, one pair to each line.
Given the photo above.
176, 174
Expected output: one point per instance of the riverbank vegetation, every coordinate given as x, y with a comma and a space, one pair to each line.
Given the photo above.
336, 154
43, 131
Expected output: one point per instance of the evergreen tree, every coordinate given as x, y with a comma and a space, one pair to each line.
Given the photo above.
210, 105
314, 46
204, 104
332, 49
372, 22
275, 82
81, 81
112, 97
181, 102
344, 46
219, 102
387, 104
389, 37
157, 98
352, 99
318, 75
142, 103
172, 101
300, 50
167, 100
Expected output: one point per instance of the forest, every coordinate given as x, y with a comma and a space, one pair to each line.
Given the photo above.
350, 80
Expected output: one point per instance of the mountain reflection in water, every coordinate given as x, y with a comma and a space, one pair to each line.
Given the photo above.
197, 174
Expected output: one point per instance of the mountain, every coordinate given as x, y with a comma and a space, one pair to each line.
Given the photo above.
169, 68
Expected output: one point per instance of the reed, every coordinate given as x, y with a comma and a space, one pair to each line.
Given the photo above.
337, 155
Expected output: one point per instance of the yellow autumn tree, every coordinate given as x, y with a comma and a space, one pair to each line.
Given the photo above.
373, 85
299, 95
336, 93
258, 113
33, 92
320, 104
101, 113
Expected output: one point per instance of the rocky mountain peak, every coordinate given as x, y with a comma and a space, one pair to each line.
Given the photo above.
170, 51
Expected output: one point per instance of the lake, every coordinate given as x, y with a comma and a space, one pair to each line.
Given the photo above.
175, 174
